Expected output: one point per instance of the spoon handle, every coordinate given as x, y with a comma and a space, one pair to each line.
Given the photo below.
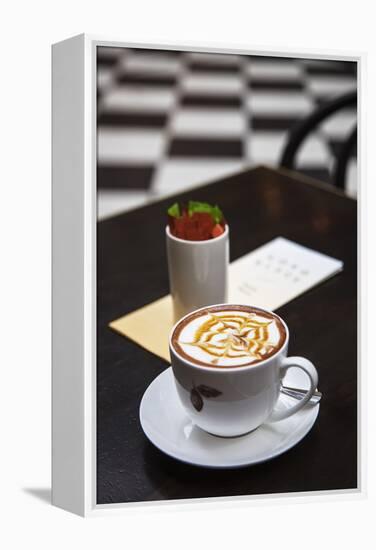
298, 393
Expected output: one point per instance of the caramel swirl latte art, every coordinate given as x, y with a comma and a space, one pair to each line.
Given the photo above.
233, 337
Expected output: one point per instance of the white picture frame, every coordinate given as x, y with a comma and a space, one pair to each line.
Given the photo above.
74, 277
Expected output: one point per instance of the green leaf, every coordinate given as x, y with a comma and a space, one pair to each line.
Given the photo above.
196, 206
174, 211
204, 207
217, 214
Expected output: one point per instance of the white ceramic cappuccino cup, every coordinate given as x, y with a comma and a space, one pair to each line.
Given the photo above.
232, 401
198, 272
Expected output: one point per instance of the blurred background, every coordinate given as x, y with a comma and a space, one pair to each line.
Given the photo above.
170, 120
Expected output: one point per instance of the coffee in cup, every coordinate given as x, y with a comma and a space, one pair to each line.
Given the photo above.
230, 336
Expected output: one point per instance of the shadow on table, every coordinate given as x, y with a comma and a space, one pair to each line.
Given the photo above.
41, 493
172, 479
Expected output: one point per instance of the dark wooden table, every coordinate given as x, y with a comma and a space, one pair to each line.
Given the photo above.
259, 204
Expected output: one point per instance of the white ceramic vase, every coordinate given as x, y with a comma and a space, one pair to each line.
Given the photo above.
198, 272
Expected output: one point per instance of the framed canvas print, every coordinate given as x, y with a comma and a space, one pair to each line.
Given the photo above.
205, 274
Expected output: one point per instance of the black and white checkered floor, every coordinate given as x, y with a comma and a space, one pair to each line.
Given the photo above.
169, 120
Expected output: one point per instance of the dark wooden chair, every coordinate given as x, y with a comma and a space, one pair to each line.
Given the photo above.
304, 127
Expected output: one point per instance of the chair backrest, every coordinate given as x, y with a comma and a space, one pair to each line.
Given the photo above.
305, 126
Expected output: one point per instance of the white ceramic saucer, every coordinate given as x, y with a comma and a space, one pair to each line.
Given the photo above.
167, 426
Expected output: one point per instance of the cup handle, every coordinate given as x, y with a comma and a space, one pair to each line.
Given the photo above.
310, 370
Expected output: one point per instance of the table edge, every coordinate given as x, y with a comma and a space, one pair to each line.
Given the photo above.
297, 176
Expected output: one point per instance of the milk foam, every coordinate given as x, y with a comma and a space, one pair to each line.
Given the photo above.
230, 337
